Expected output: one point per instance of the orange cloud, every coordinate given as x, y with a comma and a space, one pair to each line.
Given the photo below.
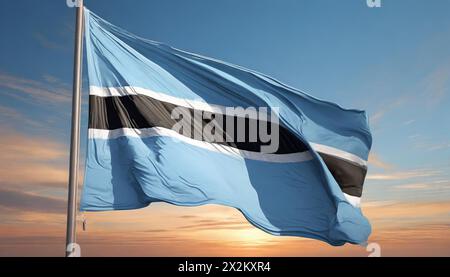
375, 160
411, 229
388, 107
397, 211
31, 160
13, 201
404, 175
439, 185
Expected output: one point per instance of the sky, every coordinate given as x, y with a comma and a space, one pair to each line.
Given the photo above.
392, 61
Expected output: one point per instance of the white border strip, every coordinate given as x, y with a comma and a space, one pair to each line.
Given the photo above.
187, 103
353, 200
338, 153
159, 131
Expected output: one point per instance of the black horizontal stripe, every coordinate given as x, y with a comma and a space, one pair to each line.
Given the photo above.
348, 175
140, 111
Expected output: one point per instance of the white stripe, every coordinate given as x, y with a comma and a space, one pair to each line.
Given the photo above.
338, 153
159, 131
203, 106
353, 200
187, 103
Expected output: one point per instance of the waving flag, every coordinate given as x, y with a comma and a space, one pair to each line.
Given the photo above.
152, 109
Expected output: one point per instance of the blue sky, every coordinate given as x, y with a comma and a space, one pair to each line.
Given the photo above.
393, 62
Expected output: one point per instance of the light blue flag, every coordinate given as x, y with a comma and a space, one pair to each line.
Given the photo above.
306, 180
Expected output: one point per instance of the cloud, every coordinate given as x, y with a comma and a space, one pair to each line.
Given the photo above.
11, 119
404, 175
9, 113
18, 146
396, 212
45, 42
378, 203
416, 186
9, 116
429, 143
437, 84
430, 90
435, 185
402, 229
409, 122
375, 160
432, 146
31, 160
51, 90
377, 116
211, 224
414, 137
23, 201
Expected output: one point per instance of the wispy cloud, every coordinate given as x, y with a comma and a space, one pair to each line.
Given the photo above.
394, 212
409, 122
49, 124
375, 160
23, 201
10, 116
387, 108
404, 175
414, 136
378, 203
46, 42
31, 160
429, 143
437, 84
211, 224
432, 146
413, 228
434, 185
414, 186
49, 91
434, 87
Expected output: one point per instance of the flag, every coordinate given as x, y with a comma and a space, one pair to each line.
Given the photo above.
171, 126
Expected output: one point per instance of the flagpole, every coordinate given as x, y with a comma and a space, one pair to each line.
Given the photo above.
71, 248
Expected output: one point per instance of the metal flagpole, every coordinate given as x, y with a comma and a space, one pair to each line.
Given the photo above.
72, 248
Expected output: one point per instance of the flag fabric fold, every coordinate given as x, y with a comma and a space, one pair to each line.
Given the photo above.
310, 186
